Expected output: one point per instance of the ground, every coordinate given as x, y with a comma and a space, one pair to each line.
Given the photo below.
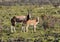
48, 35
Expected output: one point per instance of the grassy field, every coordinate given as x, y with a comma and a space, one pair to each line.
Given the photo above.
49, 35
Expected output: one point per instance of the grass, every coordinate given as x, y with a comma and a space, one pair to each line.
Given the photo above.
7, 12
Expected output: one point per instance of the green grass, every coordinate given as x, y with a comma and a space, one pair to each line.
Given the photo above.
7, 12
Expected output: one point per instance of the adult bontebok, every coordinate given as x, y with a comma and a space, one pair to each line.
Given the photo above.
18, 19
33, 22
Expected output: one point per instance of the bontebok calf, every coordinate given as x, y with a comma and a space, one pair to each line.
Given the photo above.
33, 22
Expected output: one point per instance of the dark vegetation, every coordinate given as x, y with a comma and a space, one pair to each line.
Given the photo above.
48, 30
30, 2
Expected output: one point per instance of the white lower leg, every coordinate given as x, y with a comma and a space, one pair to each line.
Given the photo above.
27, 28
11, 28
34, 28
23, 29
14, 29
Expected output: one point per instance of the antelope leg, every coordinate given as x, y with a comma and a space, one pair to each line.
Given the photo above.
14, 29
27, 28
34, 28
23, 29
11, 28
